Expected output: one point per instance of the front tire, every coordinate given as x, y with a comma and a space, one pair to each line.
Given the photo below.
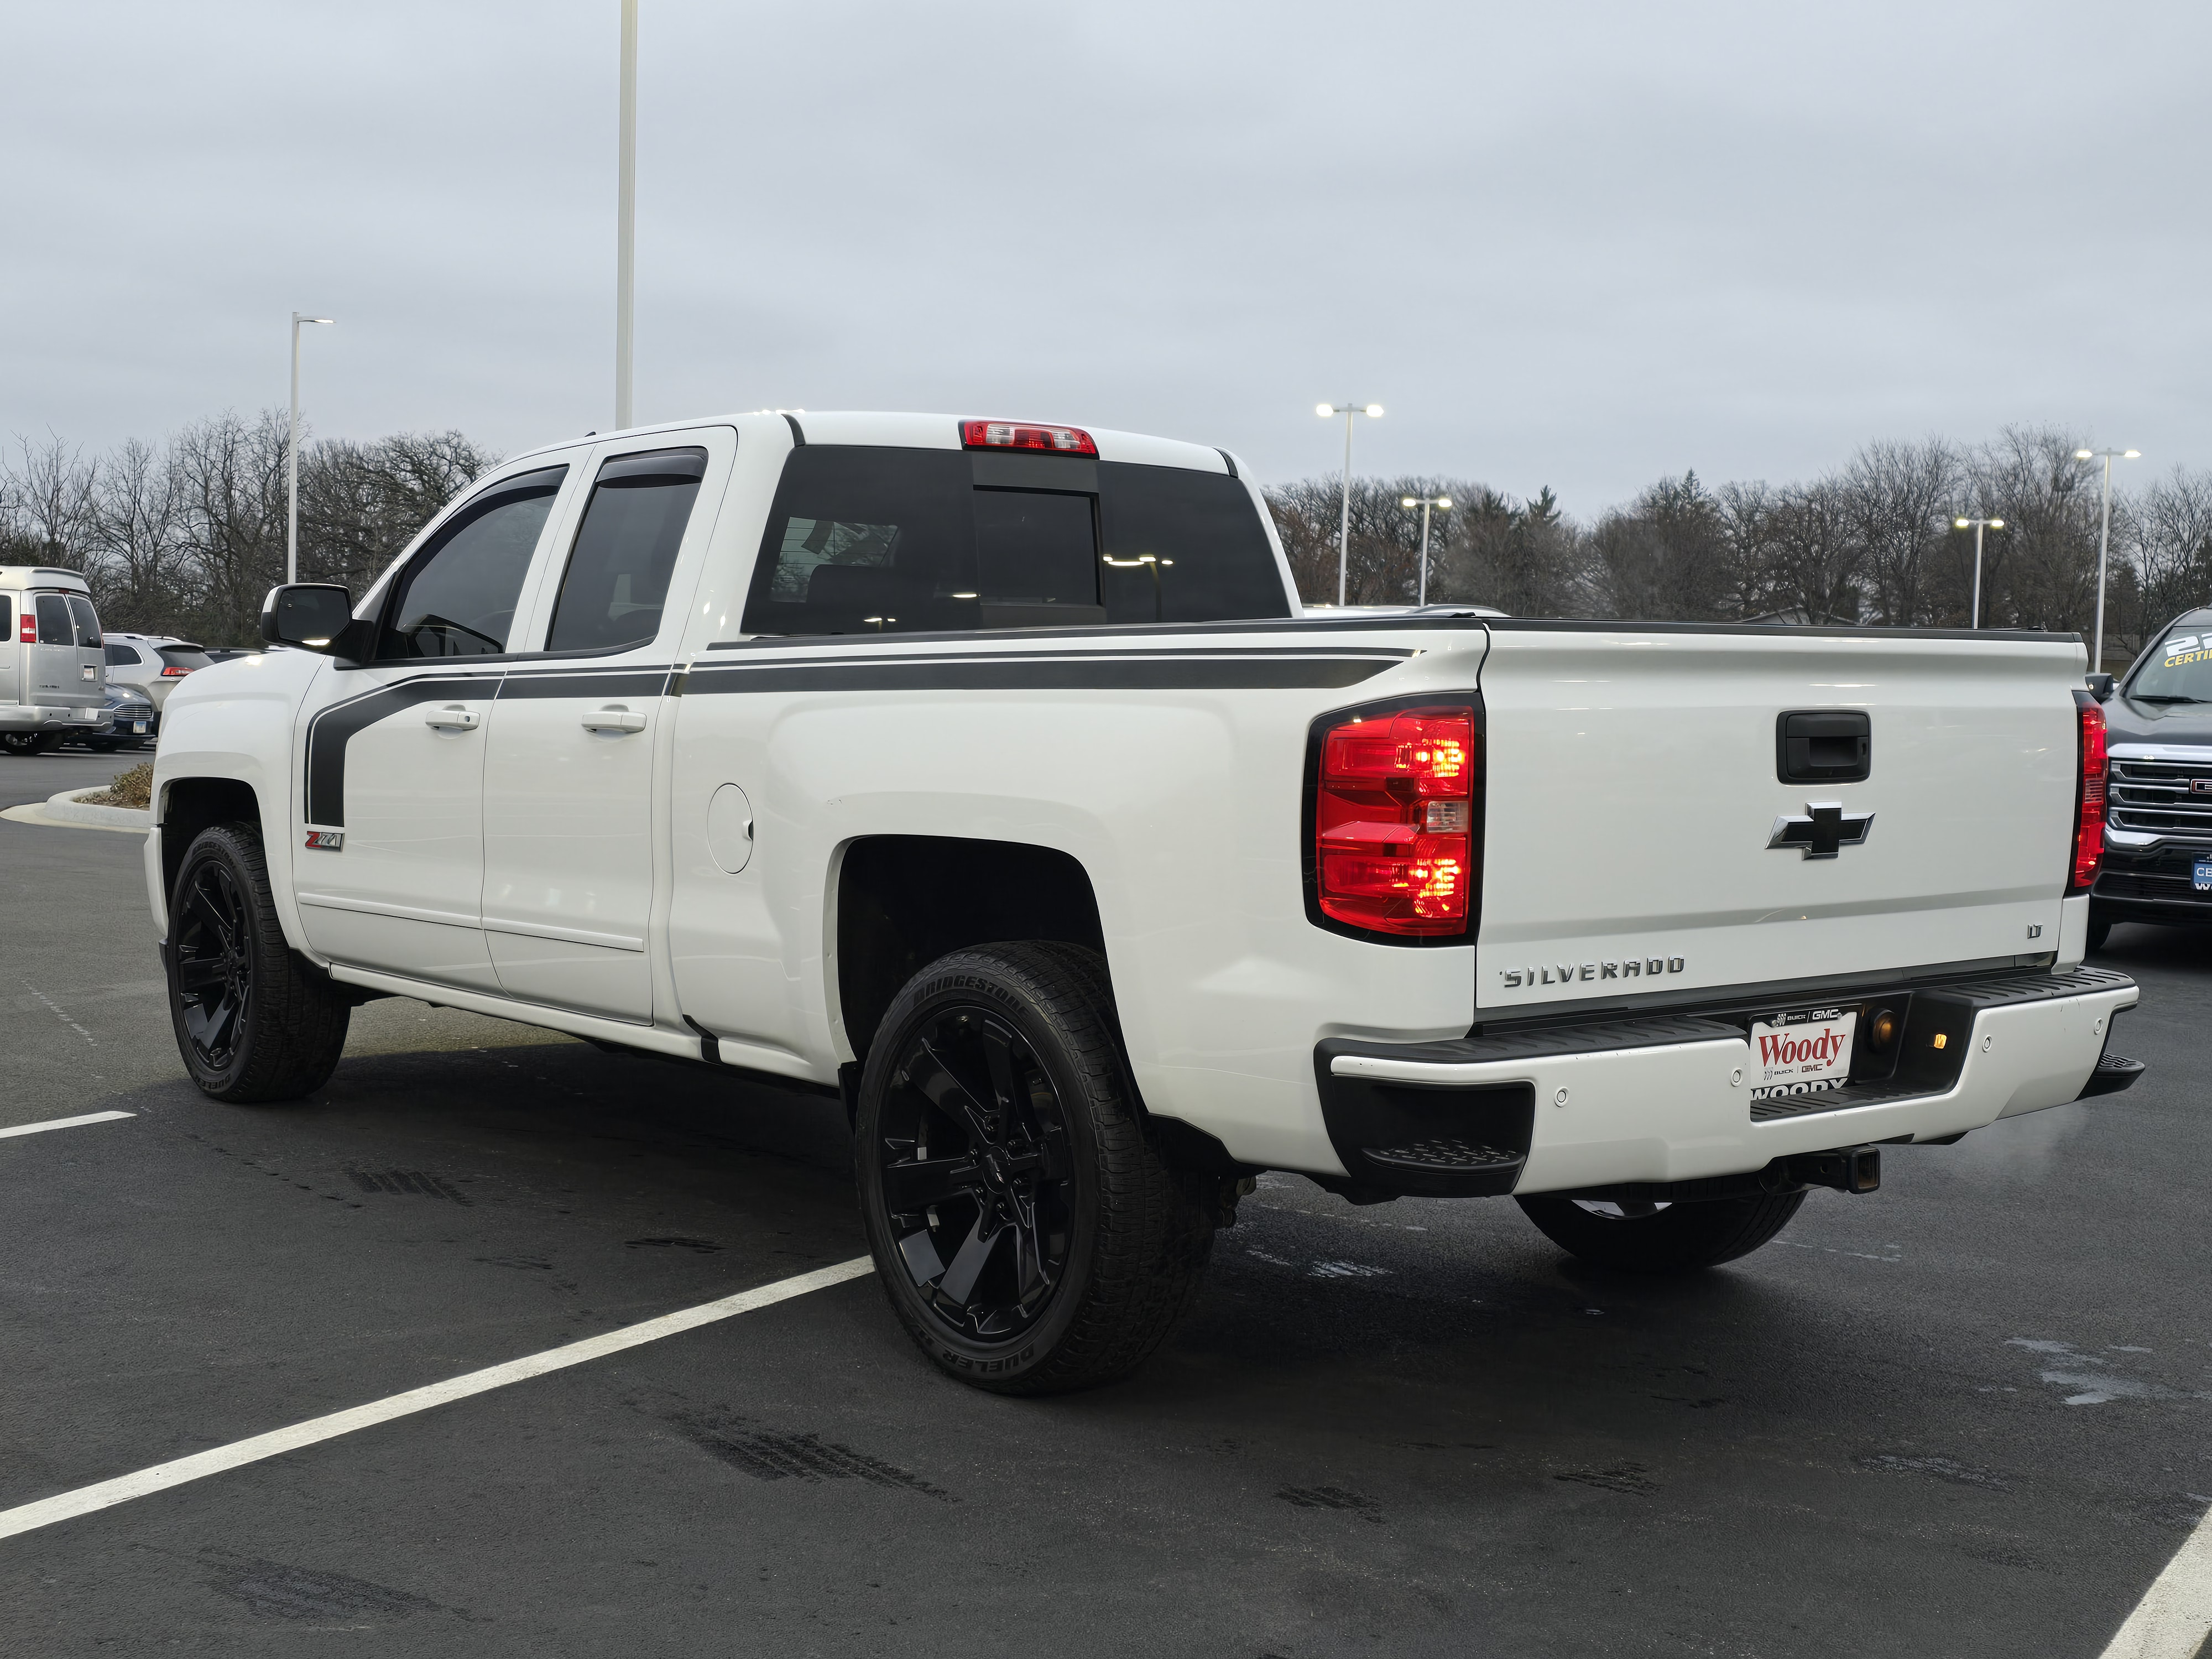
1661, 1238
253, 1023
1025, 1229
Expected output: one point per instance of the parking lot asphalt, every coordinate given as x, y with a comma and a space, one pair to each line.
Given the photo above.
1965, 1416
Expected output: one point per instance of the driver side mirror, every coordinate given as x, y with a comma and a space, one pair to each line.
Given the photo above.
2100, 687
312, 616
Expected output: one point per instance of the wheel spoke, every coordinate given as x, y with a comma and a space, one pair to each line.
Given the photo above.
998, 1054
926, 1070
958, 1285
212, 908
1030, 1274
909, 1188
209, 1027
922, 1261
196, 973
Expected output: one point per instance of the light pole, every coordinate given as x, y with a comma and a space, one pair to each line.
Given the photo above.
2103, 540
626, 214
1978, 525
1373, 411
1442, 504
292, 459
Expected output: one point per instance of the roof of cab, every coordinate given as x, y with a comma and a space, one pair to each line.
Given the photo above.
897, 431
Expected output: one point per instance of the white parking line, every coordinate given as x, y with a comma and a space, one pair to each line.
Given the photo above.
64, 1123
65, 1506
2175, 1615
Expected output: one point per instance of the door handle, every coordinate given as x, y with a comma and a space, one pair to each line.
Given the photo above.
456, 719
614, 719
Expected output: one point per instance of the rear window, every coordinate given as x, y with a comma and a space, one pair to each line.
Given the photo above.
867, 540
86, 620
186, 656
2179, 670
54, 626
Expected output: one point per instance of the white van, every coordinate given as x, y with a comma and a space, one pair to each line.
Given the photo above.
53, 666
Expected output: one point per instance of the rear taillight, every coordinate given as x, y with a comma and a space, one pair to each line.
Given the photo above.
173, 672
28, 632
1394, 821
2088, 794
1015, 434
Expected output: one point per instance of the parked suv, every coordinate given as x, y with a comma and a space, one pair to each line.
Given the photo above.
2158, 808
53, 675
153, 663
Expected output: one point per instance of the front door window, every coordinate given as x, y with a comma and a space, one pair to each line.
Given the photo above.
457, 596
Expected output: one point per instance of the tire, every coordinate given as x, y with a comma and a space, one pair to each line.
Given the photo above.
1662, 1238
28, 743
253, 1022
1024, 1227
2100, 925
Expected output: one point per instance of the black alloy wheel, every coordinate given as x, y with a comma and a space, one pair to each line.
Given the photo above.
212, 964
1024, 1226
972, 1142
254, 1022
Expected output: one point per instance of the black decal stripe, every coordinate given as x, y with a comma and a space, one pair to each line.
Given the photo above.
607, 683
1112, 673
330, 733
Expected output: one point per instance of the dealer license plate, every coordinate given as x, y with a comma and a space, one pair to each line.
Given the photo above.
2201, 877
138, 728
1802, 1051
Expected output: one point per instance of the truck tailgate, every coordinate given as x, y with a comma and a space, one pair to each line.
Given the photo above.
1634, 786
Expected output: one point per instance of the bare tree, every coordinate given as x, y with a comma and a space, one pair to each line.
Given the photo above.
1899, 497
45, 503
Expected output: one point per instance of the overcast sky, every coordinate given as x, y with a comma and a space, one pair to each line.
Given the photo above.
1580, 245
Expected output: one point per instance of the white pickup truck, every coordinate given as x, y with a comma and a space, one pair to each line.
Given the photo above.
988, 775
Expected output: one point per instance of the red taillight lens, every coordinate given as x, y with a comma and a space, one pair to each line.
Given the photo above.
28, 634
2089, 795
1394, 821
173, 672
1013, 435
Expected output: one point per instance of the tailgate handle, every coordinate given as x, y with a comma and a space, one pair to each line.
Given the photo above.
1823, 746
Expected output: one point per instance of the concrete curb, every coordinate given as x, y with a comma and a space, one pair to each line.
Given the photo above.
65, 810
69, 806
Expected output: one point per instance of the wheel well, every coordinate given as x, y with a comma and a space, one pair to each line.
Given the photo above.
904, 901
190, 805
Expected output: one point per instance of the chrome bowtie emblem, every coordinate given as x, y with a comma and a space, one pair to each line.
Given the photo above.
1825, 827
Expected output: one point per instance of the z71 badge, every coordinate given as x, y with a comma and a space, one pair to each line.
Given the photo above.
325, 840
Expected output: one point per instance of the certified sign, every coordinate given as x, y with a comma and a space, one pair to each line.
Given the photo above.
1802, 1051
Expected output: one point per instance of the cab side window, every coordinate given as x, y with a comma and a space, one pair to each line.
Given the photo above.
617, 582
456, 597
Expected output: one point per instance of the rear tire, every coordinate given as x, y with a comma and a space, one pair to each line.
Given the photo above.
28, 743
1024, 1228
1665, 1238
253, 1022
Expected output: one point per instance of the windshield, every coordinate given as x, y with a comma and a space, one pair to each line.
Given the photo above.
2179, 670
